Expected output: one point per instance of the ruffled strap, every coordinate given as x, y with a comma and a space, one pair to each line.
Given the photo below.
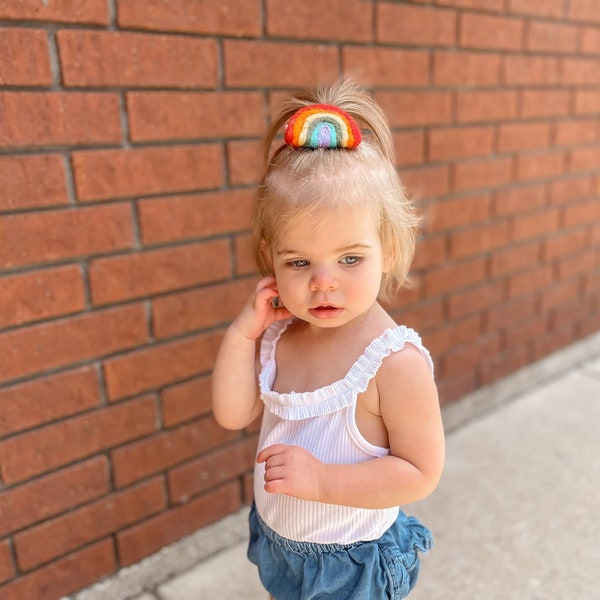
340, 394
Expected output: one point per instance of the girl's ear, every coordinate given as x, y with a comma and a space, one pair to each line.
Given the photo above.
267, 259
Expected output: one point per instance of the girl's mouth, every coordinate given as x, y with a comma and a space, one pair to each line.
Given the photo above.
325, 311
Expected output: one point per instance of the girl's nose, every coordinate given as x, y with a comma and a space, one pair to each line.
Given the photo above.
322, 280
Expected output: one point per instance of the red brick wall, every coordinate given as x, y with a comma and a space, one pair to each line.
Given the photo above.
129, 149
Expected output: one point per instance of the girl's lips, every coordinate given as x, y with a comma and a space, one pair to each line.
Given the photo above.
325, 312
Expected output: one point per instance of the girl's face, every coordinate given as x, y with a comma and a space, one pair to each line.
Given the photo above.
329, 266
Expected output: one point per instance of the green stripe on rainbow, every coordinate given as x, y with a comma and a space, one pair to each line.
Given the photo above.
322, 126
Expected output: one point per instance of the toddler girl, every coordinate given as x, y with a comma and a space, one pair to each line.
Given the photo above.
351, 425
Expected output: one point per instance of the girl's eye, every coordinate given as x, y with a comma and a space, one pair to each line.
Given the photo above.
298, 264
351, 260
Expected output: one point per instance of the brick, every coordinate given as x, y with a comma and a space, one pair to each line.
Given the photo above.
377, 66
581, 213
186, 401
491, 5
583, 10
531, 280
160, 365
579, 71
530, 70
53, 494
227, 17
211, 470
455, 143
245, 162
191, 216
496, 105
502, 364
491, 32
139, 541
244, 255
131, 276
477, 240
540, 165
66, 11
584, 159
112, 59
40, 295
420, 25
32, 181
546, 103
60, 343
575, 132
548, 8
523, 136
187, 115
587, 101
580, 263
250, 63
520, 199
431, 251
411, 109
343, 20
423, 316
590, 40
33, 238
525, 332
146, 457
445, 339
454, 276
566, 293
66, 533
426, 182
543, 36
44, 400
29, 454
566, 190
470, 357
482, 173
178, 313
103, 174
564, 243
25, 57
456, 212
505, 315
544, 345
466, 68
41, 119
475, 300
515, 258
65, 576
537, 224
7, 567
409, 147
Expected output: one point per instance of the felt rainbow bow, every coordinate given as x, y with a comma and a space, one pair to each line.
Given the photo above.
322, 126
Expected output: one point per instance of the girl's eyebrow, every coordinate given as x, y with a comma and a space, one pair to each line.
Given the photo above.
356, 246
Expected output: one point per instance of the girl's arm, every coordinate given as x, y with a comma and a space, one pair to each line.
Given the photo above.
235, 397
410, 410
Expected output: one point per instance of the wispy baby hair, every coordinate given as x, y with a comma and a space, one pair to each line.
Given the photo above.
300, 181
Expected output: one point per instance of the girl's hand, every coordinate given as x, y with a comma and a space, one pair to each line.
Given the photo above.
259, 313
291, 470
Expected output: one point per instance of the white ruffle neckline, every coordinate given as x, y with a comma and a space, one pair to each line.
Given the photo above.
339, 394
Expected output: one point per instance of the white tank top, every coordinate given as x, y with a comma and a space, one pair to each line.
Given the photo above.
323, 422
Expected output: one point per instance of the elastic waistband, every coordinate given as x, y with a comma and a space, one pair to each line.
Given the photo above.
300, 547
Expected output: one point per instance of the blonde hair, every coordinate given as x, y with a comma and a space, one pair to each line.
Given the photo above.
297, 182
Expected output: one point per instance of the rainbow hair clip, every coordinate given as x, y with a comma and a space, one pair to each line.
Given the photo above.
322, 126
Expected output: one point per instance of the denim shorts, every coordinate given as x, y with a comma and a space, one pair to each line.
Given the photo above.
382, 569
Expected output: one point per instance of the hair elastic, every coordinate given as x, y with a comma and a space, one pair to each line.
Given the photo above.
322, 126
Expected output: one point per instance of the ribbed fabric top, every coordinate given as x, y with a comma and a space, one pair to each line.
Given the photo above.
323, 422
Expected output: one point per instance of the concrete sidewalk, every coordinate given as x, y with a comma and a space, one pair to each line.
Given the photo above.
516, 515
